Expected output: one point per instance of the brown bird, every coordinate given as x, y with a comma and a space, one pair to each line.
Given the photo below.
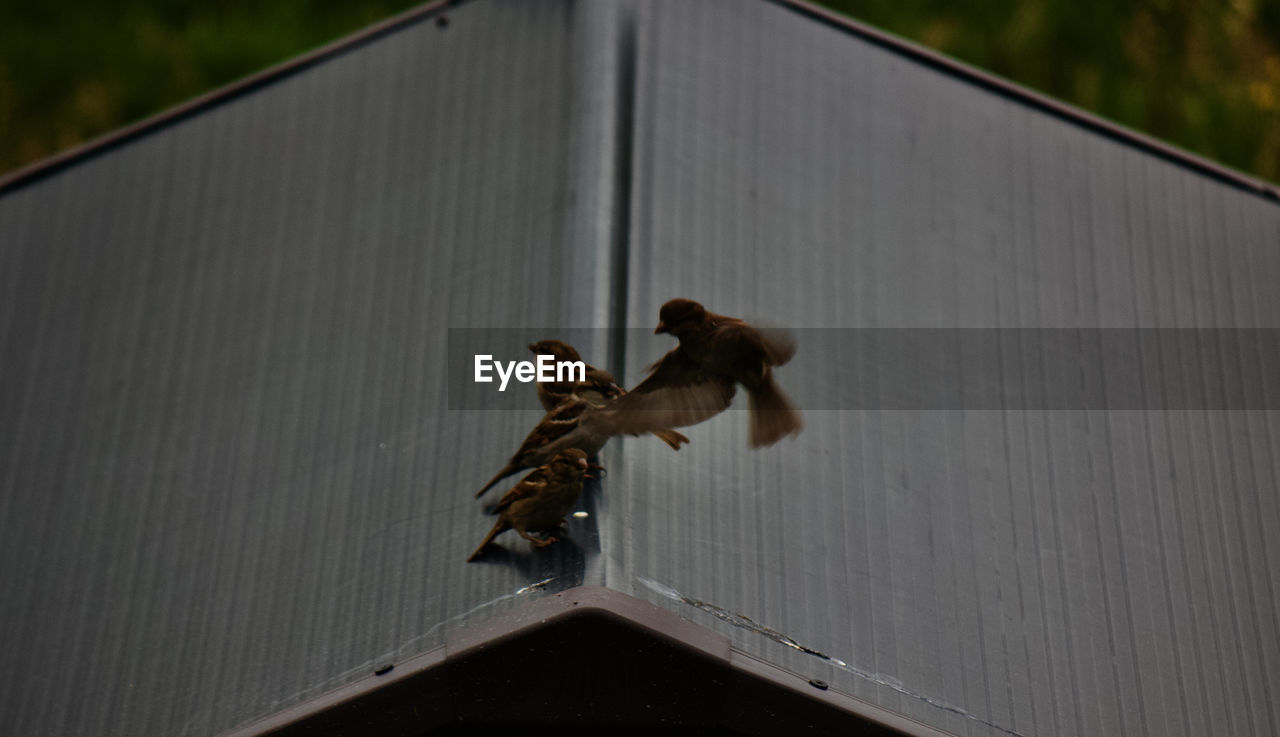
569, 425
541, 500
598, 386
574, 423
696, 380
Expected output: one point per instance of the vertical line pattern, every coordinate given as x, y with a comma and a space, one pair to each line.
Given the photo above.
229, 480
624, 127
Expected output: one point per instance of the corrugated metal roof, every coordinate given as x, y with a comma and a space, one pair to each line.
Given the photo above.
230, 477
233, 479
1025, 572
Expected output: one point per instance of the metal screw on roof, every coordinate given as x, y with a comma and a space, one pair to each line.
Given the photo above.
820, 685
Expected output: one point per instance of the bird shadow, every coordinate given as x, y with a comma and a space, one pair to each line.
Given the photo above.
565, 559
558, 560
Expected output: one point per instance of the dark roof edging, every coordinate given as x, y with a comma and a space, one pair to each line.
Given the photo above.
53, 164
884, 39
401, 694
1026, 95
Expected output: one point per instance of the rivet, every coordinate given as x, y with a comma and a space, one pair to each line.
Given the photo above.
820, 685
383, 670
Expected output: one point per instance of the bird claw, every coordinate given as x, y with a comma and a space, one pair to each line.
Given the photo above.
594, 467
544, 542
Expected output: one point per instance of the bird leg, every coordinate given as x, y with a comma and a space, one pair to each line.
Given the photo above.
536, 542
670, 437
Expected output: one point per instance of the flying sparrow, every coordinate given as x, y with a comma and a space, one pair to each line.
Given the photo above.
696, 379
541, 500
598, 386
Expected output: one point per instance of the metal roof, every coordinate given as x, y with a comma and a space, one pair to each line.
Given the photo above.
232, 479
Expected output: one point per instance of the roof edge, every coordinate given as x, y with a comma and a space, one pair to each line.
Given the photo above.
1043, 102
414, 686
39, 169
107, 141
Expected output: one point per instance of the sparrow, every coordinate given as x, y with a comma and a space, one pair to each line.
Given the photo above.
598, 387
560, 429
541, 500
575, 423
696, 380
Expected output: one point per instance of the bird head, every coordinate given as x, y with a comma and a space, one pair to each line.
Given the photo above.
570, 460
562, 351
677, 315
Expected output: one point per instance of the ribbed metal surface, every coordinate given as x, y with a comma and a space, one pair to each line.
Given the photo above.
228, 476
989, 572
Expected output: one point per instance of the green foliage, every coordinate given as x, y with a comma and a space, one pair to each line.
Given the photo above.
74, 70
1204, 75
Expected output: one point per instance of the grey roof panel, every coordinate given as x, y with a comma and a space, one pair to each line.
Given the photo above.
987, 572
233, 478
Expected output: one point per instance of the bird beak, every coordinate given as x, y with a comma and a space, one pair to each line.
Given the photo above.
582, 462
662, 328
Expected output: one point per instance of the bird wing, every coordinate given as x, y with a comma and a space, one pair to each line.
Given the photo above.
597, 387
533, 483
735, 342
777, 343
677, 393
557, 423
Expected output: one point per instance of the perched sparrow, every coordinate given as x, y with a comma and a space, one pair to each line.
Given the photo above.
541, 500
574, 423
560, 429
598, 387
695, 380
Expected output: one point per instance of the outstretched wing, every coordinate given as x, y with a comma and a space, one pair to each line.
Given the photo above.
777, 343
677, 393
737, 344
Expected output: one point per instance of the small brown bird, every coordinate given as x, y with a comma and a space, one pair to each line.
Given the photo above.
569, 425
696, 380
598, 386
541, 500
574, 423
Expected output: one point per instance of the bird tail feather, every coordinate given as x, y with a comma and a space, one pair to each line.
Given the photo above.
773, 416
498, 527
506, 471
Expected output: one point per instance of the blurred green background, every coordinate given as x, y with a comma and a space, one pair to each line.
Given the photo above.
1201, 74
